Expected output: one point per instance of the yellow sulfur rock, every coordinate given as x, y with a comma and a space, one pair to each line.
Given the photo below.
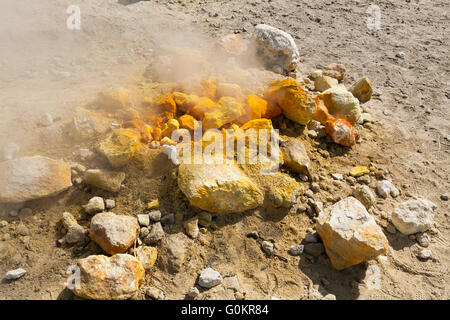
218, 188
227, 110
203, 106
295, 103
146, 256
170, 127
185, 101
285, 191
119, 146
358, 171
154, 204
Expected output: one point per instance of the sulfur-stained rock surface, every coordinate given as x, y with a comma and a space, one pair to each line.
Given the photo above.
30, 178
350, 234
362, 89
295, 102
109, 278
341, 132
119, 146
218, 188
341, 104
284, 191
113, 233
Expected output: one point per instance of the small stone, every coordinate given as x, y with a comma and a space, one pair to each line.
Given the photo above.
358, 171
362, 89
119, 146
204, 219
254, 235
268, 247
239, 296
154, 204
95, 204
231, 283
444, 197
316, 73
400, 55
191, 227
172, 252
329, 296
144, 232
155, 215
15, 274
295, 156
314, 249
315, 187
168, 219
322, 83
312, 134
423, 239
147, 256
104, 179
364, 195
110, 204
143, 219
337, 176
193, 292
13, 213
311, 236
209, 278
296, 250
385, 188
154, 293
335, 70
413, 216
425, 254
155, 235
114, 233
75, 234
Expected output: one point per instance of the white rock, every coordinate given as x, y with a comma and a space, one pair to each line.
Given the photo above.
209, 278
15, 274
268, 247
413, 216
94, 205
385, 188
110, 203
143, 219
276, 47
172, 153
156, 234
296, 250
425, 254
337, 176
193, 292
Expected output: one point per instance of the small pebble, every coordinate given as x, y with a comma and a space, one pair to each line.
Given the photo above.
155, 215
268, 247
296, 250
425, 254
110, 204
193, 292
15, 274
444, 197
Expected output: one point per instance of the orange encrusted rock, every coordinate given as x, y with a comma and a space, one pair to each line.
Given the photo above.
341, 131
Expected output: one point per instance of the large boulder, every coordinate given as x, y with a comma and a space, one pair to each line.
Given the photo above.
218, 188
350, 234
341, 103
114, 233
413, 216
109, 278
32, 178
276, 48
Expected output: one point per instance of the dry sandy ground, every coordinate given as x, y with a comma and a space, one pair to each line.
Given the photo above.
44, 67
